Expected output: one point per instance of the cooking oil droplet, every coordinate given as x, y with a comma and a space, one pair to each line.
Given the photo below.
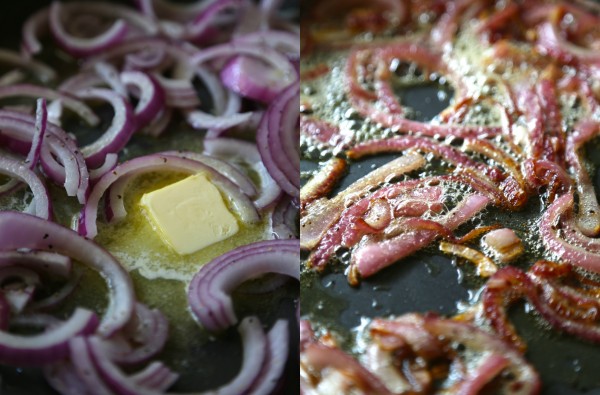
576, 365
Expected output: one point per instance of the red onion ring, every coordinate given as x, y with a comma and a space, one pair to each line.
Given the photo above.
575, 255
47, 347
209, 290
33, 91
43, 72
233, 149
118, 134
43, 235
275, 136
41, 199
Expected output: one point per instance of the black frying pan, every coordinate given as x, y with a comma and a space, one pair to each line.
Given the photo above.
428, 281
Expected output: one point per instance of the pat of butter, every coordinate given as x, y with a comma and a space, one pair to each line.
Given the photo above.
190, 214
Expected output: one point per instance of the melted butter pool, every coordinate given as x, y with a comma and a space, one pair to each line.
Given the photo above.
138, 246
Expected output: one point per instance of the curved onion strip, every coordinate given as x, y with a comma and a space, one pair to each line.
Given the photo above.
41, 198
370, 258
39, 234
88, 46
151, 99
40, 70
41, 123
155, 376
158, 162
575, 255
277, 353
322, 359
33, 91
224, 168
253, 79
588, 217
49, 262
74, 173
63, 378
111, 161
209, 291
485, 266
282, 41
83, 364
326, 212
49, 346
118, 134
233, 149
480, 341
272, 140
198, 27
34, 26
148, 329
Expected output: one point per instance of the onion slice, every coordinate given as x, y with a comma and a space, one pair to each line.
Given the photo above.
210, 289
38, 234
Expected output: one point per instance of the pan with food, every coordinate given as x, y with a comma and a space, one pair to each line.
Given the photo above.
148, 224
449, 219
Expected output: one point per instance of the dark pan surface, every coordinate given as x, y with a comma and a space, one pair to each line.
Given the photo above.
428, 281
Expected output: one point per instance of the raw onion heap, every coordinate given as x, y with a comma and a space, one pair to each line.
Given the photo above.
526, 105
143, 63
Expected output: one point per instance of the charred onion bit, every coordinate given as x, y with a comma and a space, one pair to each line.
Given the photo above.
417, 354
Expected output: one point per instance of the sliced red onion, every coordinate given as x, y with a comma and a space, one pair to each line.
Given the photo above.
281, 41
111, 161
19, 290
145, 60
34, 26
196, 29
370, 258
325, 360
83, 364
157, 162
202, 120
70, 171
159, 124
119, 132
33, 91
151, 100
277, 139
254, 357
41, 198
325, 212
575, 255
63, 377
48, 262
588, 217
82, 47
266, 54
40, 70
525, 380
41, 121
110, 75
39, 234
231, 172
49, 346
284, 220
233, 149
209, 291
275, 360
147, 331
156, 376
252, 78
